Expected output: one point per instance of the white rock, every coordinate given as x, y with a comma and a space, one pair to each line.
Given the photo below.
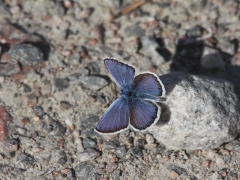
199, 112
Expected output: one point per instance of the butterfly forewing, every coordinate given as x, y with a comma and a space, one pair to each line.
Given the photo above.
148, 83
143, 114
121, 73
115, 119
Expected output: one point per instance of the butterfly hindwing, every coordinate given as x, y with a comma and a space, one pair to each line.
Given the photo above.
115, 119
121, 73
148, 83
143, 114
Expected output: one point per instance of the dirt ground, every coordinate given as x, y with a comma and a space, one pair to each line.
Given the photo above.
54, 87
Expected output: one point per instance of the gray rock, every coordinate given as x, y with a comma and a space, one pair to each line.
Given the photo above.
94, 82
150, 47
88, 124
89, 143
233, 146
121, 151
24, 161
134, 30
58, 128
136, 151
26, 54
212, 59
85, 170
88, 155
109, 145
199, 112
61, 84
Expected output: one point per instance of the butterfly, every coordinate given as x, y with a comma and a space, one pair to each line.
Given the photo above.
137, 108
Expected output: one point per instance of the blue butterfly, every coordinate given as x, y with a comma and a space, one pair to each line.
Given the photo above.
137, 108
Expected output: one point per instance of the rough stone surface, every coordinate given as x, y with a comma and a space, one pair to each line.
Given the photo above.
85, 170
199, 112
94, 82
26, 54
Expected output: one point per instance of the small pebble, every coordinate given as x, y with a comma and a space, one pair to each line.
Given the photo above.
220, 161
149, 138
25, 121
76, 133
174, 174
109, 145
64, 105
206, 163
110, 167
26, 54
37, 149
89, 143
69, 122
61, 84
80, 147
21, 131
88, 154
137, 152
32, 100
121, 151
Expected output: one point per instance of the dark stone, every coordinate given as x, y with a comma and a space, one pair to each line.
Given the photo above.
58, 128
160, 149
24, 161
85, 170
26, 88
121, 151
64, 105
177, 169
26, 54
61, 84
109, 145
63, 157
38, 110
89, 143
136, 151
140, 142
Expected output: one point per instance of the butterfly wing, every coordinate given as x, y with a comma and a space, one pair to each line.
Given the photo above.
150, 84
115, 119
143, 114
121, 73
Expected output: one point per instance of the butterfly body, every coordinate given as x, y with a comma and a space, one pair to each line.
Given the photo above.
131, 95
137, 108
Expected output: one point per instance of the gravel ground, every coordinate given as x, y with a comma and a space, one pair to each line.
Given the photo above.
54, 87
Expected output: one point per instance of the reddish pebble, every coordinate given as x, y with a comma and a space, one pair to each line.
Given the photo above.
206, 163
110, 167
37, 149
25, 120
66, 171
4, 117
92, 42
67, 4
31, 100
66, 52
